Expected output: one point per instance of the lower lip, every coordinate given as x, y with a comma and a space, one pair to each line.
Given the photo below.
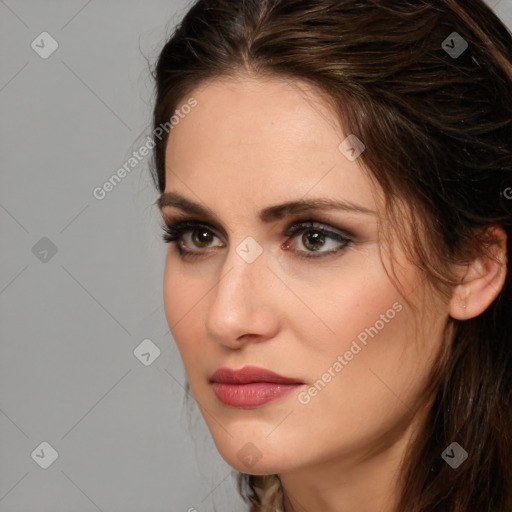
250, 396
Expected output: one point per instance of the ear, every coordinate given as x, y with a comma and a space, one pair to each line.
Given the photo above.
482, 280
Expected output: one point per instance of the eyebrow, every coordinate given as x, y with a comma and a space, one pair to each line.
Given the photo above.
268, 214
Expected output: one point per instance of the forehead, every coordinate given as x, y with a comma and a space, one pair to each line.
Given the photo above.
262, 139
277, 112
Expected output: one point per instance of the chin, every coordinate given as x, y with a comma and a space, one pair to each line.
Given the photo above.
253, 465
255, 456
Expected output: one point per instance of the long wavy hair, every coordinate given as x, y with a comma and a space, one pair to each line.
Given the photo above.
438, 134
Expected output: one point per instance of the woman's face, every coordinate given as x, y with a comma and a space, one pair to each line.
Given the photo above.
302, 302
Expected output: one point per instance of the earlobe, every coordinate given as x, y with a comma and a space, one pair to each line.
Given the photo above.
481, 281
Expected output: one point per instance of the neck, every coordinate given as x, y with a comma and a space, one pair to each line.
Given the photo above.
353, 481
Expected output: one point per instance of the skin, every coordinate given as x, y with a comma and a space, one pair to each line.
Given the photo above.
251, 143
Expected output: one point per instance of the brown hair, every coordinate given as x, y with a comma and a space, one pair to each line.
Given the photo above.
438, 135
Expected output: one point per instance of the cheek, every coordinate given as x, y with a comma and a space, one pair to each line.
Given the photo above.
344, 304
370, 354
182, 295
371, 377
183, 289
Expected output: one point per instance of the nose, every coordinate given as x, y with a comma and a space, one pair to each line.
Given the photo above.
243, 307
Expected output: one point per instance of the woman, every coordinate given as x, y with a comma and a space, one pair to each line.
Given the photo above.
336, 193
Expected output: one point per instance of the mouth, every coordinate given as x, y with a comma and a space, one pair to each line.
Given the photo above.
250, 387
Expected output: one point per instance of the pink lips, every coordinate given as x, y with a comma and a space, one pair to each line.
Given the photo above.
250, 387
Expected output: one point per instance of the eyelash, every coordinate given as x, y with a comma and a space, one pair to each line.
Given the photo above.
173, 232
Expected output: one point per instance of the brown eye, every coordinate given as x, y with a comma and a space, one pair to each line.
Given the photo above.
202, 237
313, 240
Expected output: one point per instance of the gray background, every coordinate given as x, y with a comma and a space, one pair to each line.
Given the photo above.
70, 321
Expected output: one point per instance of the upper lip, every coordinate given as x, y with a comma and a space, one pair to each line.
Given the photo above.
248, 375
